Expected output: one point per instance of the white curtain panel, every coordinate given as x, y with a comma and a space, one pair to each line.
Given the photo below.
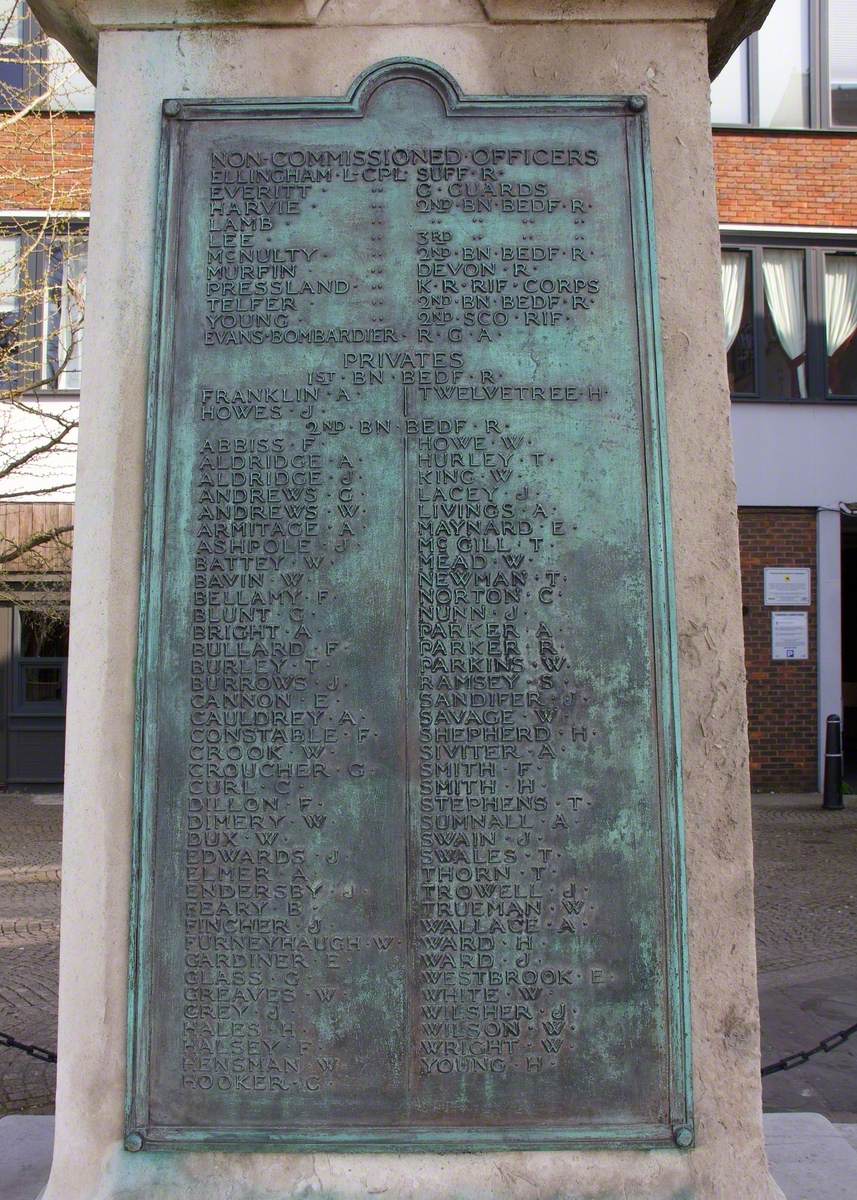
9, 274
782, 271
840, 299
733, 274
72, 301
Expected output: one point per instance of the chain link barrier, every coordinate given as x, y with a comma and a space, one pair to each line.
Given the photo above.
38, 1052
803, 1056
783, 1064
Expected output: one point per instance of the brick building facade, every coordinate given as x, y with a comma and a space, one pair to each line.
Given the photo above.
786, 178
782, 695
785, 144
47, 163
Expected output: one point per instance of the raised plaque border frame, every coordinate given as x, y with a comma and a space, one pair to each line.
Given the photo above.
140, 1132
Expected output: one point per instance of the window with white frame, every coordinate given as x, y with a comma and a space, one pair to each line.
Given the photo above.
799, 71
66, 86
36, 68
11, 22
782, 54
10, 249
842, 61
13, 55
65, 300
42, 303
10, 272
790, 319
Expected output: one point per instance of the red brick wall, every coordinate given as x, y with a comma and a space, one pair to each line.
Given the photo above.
766, 178
47, 162
762, 177
781, 696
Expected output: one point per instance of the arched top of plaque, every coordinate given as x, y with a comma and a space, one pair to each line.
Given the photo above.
360, 96
392, 70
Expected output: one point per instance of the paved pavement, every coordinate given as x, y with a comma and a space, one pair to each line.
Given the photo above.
810, 1158
806, 936
806, 889
30, 837
26, 1150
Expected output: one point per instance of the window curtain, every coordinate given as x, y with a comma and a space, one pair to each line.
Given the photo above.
840, 299
782, 271
72, 301
733, 276
9, 274
11, 17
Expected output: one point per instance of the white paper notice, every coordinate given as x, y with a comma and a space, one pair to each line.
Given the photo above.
787, 585
789, 635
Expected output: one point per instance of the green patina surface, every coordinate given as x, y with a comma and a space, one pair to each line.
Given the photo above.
408, 838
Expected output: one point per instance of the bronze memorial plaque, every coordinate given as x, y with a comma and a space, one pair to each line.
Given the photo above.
408, 851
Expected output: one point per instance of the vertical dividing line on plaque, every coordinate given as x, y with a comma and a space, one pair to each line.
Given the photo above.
410, 958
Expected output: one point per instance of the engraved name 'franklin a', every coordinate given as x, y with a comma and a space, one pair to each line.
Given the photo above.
407, 869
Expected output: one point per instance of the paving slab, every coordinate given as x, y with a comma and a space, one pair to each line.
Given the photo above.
806, 884
806, 938
849, 1132
809, 1158
30, 856
798, 1008
26, 1146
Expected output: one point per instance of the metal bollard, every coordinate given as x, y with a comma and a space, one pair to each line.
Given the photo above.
833, 763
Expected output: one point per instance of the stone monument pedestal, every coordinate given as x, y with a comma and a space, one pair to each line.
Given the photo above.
187, 51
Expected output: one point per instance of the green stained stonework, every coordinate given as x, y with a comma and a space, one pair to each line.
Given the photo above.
408, 837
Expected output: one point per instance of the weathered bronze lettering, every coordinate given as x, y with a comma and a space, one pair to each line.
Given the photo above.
407, 859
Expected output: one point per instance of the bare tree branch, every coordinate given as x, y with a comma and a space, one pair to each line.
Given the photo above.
45, 491
38, 539
36, 452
